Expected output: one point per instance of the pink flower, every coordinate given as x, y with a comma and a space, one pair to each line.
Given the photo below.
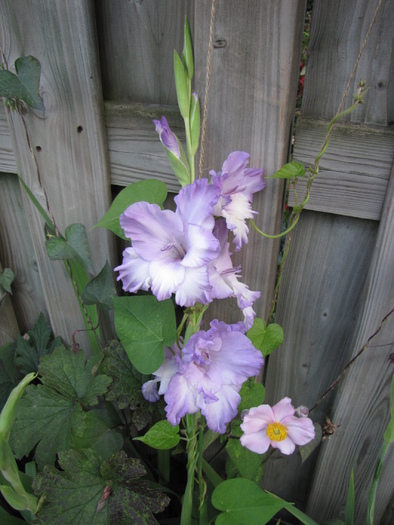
276, 426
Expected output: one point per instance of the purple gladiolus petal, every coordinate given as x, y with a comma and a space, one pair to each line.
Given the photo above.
211, 372
167, 137
276, 426
237, 184
163, 375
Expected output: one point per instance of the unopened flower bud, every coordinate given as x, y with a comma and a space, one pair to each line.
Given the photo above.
244, 413
302, 411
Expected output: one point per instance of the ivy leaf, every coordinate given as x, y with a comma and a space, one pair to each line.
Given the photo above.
265, 338
243, 463
35, 345
74, 246
243, 502
306, 450
161, 436
152, 191
101, 289
25, 84
144, 326
6, 278
50, 415
289, 171
125, 388
93, 492
252, 395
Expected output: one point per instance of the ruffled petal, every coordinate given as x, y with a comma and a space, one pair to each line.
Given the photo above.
149, 390
195, 203
283, 409
300, 430
166, 278
195, 287
286, 446
202, 246
134, 272
222, 411
180, 399
257, 442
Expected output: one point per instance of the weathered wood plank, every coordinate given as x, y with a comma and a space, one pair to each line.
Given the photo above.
354, 171
139, 68
135, 151
251, 104
9, 329
7, 157
17, 253
318, 304
68, 138
337, 33
363, 407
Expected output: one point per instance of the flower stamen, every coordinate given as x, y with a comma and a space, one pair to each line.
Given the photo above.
276, 431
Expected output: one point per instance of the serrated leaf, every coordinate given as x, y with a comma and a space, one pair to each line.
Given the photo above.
161, 436
93, 492
245, 464
6, 278
152, 191
65, 372
144, 326
25, 85
243, 502
30, 350
252, 395
101, 289
265, 338
306, 450
74, 246
289, 171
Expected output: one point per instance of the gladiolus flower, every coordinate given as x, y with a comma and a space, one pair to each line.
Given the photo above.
167, 137
276, 426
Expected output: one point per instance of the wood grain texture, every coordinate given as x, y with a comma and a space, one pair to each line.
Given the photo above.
354, 171
139, 67
363, 406
7, 157
17, 253
70, 133
251, 101
337, 33
318, 305
135, 151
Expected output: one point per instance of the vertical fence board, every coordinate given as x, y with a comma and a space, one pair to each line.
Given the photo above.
70, 135
251, 101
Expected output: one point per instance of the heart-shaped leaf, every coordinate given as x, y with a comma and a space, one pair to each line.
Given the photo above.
75, 246
289, 171
265, 338
101, 289
25, 85
6, 278
161, 436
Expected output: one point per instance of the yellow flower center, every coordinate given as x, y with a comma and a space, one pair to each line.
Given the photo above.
276, 432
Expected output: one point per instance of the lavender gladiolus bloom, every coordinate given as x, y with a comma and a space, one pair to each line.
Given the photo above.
237, 184
170, 250
167, 137
211, 372
163, 375
276, 426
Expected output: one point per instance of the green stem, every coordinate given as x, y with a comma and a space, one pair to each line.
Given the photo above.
201, 483
282, 234
187, 503
190, 157
375, 481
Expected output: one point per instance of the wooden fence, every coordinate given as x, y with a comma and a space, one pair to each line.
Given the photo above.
107, 71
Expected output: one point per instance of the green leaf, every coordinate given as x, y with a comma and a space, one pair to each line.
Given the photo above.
243, 502
161, 436
252, 395
152, 191
98, 435
388, 435
35, 345
145, 326
182, 86
349, 512
125, 388
101, 289
75, 246
51, 415
6, 278
7, 519
194, 123
306, 450
92, 492
289, 171
7, 414
25, 84
8, 371
180, 165
244, 463
187, 52
265, 338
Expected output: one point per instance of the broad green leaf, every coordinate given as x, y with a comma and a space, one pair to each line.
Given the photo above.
349, 512
125, 388
37, 344
265, 338
244, 463
8, 371
75, 246
252, 395
6, 278
152, 191
306, 450
161, 436
145, 326
243, 502
98, 435
289, 171
91, 491
25, 84
182, 86
101, 289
